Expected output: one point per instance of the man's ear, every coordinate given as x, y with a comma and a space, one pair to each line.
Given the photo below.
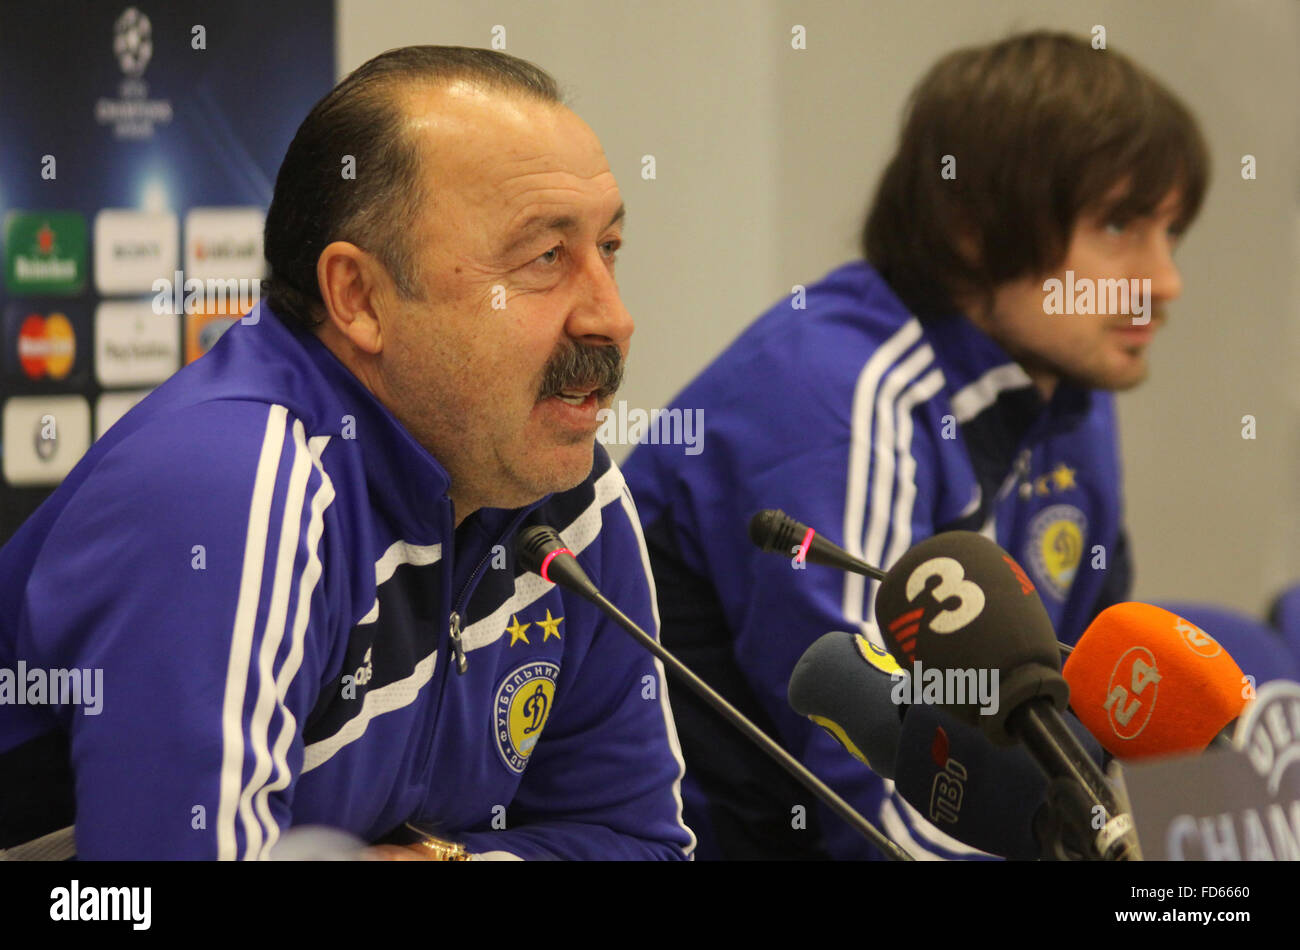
352, 284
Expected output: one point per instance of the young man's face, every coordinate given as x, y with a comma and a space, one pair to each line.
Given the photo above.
516, 267
1102, 350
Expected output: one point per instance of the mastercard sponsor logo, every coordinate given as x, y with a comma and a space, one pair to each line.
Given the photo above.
47, 346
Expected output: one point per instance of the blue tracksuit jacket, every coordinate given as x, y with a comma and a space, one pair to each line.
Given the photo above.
878, 431
263, 564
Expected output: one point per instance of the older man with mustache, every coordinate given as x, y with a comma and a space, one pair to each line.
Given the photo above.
294, 560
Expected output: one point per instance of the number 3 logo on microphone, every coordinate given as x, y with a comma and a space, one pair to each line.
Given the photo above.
952, 583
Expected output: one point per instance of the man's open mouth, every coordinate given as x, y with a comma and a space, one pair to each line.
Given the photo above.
574, 397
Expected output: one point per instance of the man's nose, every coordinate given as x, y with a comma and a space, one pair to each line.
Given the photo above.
1166, 281
599, 317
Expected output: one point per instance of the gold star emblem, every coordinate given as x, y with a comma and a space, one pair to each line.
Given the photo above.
516, 630
550, 626
1063, 476
1040, 485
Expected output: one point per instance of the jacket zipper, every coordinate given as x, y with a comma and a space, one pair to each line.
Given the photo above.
454, 630
457, 647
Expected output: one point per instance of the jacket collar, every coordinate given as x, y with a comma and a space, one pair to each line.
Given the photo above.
967, 355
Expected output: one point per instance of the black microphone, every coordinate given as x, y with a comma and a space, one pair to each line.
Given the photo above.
994, 798
540, 549
958, 603
990, 797
774, 530
847, 686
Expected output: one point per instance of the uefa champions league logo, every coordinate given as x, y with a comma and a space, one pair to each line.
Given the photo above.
132, 114
132, 42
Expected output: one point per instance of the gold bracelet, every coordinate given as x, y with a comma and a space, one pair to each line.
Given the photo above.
439, 849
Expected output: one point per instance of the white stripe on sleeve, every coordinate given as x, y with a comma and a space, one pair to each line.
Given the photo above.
310, 577
277, 615
241, 647
872, 463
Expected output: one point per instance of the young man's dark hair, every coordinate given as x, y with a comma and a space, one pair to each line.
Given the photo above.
935, 388
377, 207
1039, 127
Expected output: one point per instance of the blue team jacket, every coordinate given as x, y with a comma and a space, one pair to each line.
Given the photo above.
877, 430
262, 562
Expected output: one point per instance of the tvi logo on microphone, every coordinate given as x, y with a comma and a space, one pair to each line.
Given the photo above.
947, 792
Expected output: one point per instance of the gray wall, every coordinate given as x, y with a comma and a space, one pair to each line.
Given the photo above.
766, 157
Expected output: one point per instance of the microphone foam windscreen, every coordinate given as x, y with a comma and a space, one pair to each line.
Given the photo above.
1148, 683
843, 684
958, 602
984, 795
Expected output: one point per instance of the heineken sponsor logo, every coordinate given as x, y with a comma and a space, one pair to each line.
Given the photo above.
35, 268
45, 252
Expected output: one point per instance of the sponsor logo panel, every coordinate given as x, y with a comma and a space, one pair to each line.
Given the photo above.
45, 344
134, 345
45, 252
224, 243
43, 438
113, 406
133, 249
202, 331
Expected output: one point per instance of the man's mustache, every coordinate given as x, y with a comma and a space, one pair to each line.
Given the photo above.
578, 368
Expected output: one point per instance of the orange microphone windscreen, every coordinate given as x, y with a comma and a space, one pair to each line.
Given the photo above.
1148, 683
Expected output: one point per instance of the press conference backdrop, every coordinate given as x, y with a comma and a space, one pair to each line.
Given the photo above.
141, 144
746, 157
764, 158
